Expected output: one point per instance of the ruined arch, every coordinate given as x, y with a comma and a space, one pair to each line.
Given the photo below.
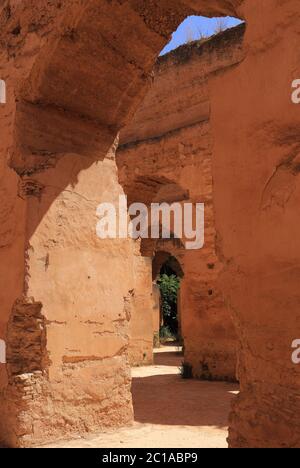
258, 265
162, 257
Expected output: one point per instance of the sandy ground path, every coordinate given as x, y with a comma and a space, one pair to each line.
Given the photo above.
169, 412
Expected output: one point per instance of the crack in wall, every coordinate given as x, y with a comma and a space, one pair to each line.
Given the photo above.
281, 185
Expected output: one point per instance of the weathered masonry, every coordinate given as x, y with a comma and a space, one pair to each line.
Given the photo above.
165, 155
75, 74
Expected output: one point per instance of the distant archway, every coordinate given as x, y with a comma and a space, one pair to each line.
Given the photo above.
167, 275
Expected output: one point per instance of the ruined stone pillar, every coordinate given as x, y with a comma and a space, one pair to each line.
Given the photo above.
141, 322
257, 198
67, 334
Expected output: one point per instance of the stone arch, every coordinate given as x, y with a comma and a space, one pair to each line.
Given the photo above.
162, 257
145, 327
266, 372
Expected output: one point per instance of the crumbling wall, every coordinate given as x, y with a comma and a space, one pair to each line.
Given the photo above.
60, 119
67, 358
65, 61
165, 155
257, 195
141, 328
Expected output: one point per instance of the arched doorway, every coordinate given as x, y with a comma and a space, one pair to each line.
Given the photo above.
167, 273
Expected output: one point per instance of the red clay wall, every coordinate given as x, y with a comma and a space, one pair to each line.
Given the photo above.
141, 328
72, 83
165, 155
67, 351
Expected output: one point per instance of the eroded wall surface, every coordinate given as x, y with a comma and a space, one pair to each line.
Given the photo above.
66, 296
165, 155
67, 352
141, 329
257, 194
72, 83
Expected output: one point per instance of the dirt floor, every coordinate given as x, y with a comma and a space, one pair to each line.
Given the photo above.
169, 412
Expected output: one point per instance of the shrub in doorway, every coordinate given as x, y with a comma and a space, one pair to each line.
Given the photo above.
186, 371
169, 286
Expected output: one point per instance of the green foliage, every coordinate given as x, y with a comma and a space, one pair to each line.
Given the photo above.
165, 334
169, 286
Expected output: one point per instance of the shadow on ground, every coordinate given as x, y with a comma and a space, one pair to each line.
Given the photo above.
168, 359
167, 399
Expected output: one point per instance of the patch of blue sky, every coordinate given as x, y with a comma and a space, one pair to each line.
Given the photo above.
196, 27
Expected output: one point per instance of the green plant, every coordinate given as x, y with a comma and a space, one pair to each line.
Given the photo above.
165, 333
186, 370
169, 286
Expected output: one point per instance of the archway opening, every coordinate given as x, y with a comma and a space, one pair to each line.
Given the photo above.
199, 28
168, 281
